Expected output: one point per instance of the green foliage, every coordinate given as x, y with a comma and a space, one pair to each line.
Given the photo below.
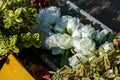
7, 45
64, 58
62, 52
16, 21
101, 37
17, 17
102, 67
27, 40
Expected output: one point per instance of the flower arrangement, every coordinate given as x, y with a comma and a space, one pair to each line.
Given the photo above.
87, 53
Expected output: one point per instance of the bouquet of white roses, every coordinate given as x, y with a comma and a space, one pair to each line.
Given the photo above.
87, 51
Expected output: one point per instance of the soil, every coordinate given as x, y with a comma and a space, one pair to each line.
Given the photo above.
106, 11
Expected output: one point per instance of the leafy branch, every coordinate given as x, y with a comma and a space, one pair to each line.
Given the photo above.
16, 21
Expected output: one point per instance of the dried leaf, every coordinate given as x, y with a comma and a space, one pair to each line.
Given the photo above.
116, 71
86, 79
106, 62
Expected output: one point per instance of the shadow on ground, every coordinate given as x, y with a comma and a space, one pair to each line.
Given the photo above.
106, 11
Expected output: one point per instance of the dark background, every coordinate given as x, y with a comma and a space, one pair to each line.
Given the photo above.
106, 11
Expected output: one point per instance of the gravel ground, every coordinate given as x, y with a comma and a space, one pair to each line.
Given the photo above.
106, 11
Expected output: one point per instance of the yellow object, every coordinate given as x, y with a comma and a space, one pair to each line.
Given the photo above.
13, 70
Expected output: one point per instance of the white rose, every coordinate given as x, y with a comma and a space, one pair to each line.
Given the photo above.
83, 44
72, 24
61, 24
76, 34
76, 44
65, 41
74, 60
52, 41
107, 47
87, 30
49, 15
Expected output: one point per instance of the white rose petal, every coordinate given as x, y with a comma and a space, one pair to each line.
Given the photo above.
77, 34
65, 41
67, 22
72, 24
87, 30
76, 44
83, 44
73, 61
52, 41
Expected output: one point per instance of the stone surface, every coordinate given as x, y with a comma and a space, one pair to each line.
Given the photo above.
106, 11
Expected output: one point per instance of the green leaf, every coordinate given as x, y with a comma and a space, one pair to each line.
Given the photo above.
10, 13
15, 49
69, 31
18, 11
110, 37
62, 51
94, 35
13, 39
101, 37
8, 45
19, 20
36, 40
64, 60
1, 4
28, 40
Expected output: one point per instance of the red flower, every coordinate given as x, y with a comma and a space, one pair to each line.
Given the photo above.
39, 4
47, 77
40, 74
